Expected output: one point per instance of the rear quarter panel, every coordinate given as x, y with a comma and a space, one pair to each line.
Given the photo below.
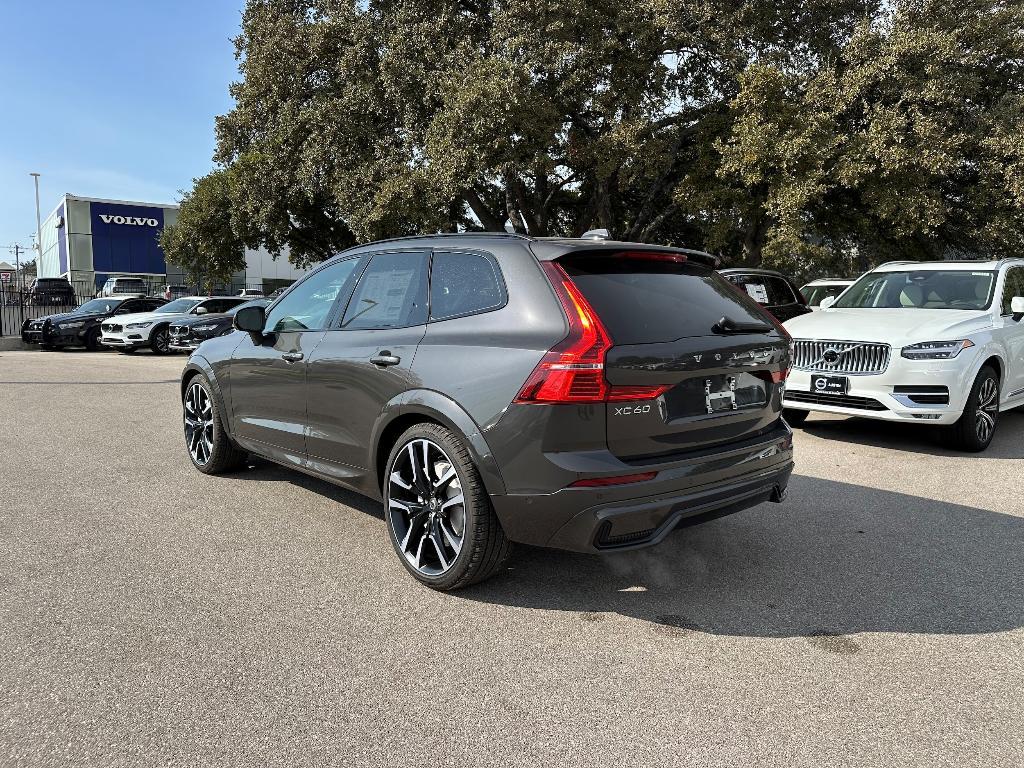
481, 361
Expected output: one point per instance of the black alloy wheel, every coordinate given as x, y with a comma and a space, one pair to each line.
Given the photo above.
92, 340
160, 342
209, 447
439, 515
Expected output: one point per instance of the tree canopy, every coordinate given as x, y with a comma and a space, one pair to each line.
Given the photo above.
203, 241
810, 134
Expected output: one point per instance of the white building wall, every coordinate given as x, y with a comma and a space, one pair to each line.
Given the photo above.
49, 258
261, 265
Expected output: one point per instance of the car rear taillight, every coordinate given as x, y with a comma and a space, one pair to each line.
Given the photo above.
781, 375
618, 393
573, 370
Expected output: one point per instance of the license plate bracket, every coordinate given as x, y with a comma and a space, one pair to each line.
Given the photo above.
829, 385
722, 398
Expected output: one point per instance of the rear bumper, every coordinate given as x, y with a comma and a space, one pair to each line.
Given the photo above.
642, 514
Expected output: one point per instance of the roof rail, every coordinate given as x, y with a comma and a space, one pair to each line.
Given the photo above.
474, 233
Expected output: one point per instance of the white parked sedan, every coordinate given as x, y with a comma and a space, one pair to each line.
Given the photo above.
922, 342
150, 329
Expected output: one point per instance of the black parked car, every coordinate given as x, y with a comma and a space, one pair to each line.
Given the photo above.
571, 393
187, 335
772, 290
81, 327
50, 292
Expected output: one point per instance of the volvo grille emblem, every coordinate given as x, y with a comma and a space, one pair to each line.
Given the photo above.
831, 355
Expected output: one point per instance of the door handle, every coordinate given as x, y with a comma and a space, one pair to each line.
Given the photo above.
292, 357
385, 358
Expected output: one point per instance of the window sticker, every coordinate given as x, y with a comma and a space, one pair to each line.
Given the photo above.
757, 292
386, 292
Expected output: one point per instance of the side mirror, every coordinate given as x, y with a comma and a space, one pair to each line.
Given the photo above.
201, 310
828, 301
1017, 307
250, 319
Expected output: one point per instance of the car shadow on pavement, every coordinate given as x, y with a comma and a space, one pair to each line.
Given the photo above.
835, 559
267, 471
1008, 442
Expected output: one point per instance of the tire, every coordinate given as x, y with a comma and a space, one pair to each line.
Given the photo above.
92, 340
424, 525
795, 417
208, 445
974, 430
160, 340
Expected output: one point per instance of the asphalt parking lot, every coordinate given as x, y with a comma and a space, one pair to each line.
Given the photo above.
150, 615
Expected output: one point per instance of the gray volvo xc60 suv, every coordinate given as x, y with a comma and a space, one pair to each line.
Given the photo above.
488, 388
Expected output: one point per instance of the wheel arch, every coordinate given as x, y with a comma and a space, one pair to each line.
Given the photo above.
200, 365
994, 360
427, 406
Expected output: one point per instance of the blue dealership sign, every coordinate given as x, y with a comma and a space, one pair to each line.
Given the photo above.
124, 238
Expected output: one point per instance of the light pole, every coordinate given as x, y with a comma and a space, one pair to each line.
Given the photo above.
39, 227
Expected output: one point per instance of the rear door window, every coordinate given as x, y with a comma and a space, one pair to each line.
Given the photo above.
216, 306
392, 293
641, 301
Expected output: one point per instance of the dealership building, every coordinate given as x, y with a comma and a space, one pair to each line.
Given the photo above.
88, 240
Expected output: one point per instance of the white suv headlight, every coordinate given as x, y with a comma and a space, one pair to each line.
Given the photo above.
936, 350
138, 325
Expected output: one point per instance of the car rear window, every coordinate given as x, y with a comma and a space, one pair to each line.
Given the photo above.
642, 301
767, 290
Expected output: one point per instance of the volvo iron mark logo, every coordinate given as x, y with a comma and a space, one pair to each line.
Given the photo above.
831, 355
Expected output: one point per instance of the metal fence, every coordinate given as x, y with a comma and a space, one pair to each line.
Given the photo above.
17, 303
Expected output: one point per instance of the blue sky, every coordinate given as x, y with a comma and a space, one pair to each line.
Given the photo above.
108, 98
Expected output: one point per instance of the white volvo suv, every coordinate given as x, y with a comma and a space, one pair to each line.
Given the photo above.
925, 342
150, 329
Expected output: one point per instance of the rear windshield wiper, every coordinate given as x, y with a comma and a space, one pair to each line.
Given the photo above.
728, 325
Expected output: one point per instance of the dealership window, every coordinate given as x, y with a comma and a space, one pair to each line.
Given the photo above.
392, 293
464, 284
1014, 287
308, 305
